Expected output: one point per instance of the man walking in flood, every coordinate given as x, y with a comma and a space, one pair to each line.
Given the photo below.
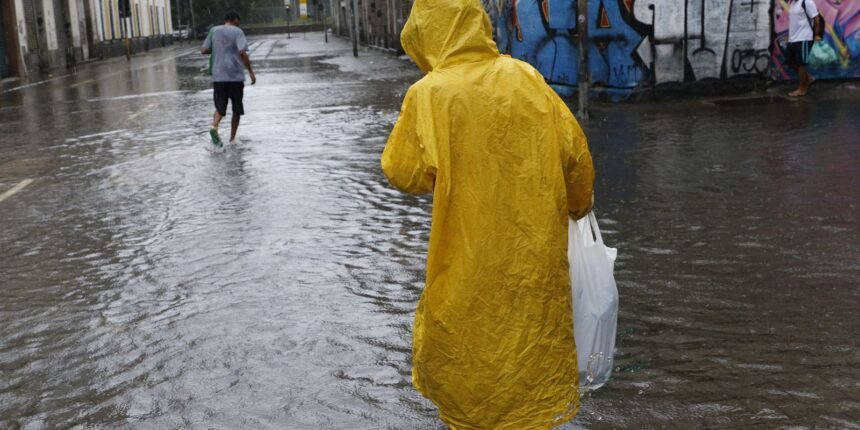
507, 164
229, 49
805, 27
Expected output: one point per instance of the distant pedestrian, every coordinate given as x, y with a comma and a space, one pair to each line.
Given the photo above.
507, 163
229, 49
805, 25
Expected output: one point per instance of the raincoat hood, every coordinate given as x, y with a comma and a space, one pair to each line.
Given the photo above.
442, 33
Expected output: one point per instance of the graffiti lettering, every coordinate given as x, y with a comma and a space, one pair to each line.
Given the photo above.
750, 60
641, 42
696, 33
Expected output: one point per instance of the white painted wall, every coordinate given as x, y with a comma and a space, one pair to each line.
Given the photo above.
22, 25
706, 36
50, 24
145, 24
168, 29
74, 19
712, 35
667, 17
98, 13
22, 35
749, 40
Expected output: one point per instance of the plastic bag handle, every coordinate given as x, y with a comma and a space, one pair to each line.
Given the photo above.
595, 229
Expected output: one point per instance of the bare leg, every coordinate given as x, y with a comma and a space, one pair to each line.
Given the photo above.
804, 79
803, 85
234, 126
216, 121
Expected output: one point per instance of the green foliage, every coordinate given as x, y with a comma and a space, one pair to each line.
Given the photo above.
252, 11
211, 12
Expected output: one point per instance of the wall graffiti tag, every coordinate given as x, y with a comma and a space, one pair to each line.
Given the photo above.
635, 43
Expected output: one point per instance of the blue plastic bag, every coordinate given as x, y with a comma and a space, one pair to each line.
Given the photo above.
822, 55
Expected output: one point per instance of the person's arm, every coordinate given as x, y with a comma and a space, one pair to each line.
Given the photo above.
817, 20
242, 46
247, 62
576, 161
818, 31
207, 44
406, 161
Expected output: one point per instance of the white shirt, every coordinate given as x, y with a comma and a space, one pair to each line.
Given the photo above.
799, 29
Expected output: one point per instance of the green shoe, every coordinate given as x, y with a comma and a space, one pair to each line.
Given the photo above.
216, 140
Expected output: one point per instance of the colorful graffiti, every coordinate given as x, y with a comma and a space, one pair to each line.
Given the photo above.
544, 33
635, 43
842, 33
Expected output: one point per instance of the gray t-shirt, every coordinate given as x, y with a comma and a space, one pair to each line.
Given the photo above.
226, 43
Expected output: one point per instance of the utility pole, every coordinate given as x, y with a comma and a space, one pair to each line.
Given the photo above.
582, 23
355, 28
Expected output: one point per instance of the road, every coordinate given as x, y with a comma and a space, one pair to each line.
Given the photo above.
147, 281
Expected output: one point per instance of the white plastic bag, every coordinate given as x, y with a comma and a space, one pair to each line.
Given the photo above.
595, 301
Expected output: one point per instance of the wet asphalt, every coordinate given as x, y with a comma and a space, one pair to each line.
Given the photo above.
149, 281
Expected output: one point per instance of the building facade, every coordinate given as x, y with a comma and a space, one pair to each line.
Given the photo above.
379, 21
48, 34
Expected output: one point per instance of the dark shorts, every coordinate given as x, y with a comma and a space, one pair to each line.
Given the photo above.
797, 53
232, 91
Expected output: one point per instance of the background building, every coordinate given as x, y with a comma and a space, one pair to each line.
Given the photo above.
46, 34
379, 21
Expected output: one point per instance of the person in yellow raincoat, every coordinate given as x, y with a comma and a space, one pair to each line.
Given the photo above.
507, 163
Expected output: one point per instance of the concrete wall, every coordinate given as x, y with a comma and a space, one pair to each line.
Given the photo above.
59, 33
640, 43
149, 27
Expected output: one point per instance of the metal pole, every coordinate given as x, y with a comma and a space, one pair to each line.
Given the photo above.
325, 29
367, 28
193, 24
130, 34
124, 33
179, 17
355, 28
582, 22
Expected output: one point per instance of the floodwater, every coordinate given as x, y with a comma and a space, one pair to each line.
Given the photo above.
147, 281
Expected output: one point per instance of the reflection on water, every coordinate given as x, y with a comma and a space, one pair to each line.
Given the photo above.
149, 282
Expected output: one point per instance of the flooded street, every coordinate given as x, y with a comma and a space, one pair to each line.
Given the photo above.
147, 281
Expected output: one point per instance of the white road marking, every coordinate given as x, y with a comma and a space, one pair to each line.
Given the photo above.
142, 111
21, 185
90, 136
36, 83
136, 96
79, 84
102, 77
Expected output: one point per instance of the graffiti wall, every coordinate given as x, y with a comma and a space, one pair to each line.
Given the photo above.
692, 40
842, 32
636, 43
544, 33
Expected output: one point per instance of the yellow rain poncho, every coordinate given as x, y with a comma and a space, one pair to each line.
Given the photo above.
506, 162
